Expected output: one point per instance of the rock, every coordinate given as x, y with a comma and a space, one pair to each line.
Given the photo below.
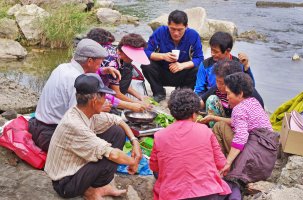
132, 194
296, 57
198, 21
252, 36
159, 21
12, 10
262, 186
28, 18
129, 19
2, 121
278, 4
104, 4
108, 16
10, 49
8, 29
283, 193
14, 96
220, 25
292, 173
9, 114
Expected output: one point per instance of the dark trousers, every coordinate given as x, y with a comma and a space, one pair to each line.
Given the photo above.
41, 133
93, 174
159, 76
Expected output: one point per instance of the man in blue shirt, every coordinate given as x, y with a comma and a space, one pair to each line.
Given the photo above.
221, 44
167, 68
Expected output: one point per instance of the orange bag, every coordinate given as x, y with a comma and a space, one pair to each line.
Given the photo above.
16, 137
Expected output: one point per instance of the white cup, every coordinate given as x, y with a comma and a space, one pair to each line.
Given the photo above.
176, 52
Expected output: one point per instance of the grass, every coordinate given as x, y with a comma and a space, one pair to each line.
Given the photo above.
60, 28
3, 9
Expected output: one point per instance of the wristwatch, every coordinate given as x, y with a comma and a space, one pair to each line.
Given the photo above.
133, 138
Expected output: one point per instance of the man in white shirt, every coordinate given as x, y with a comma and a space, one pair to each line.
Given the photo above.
58, 94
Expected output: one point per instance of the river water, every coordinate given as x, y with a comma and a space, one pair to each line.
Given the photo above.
278, 78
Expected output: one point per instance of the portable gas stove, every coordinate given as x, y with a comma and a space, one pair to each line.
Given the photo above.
144, 129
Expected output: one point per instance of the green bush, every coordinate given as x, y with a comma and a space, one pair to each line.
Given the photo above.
60, 28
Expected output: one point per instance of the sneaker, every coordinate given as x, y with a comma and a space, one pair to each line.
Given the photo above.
159, 97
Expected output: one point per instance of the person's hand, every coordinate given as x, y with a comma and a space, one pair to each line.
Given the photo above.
136, 151
138, 107
132, 169
170, 57
175, 67
208, 118
112, 71
106, 107
244, 60
225, 169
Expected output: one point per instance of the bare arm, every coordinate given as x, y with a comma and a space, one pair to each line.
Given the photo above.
119, 95
230, 159
134, 93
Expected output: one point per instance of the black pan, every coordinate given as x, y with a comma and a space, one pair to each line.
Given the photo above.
138, 119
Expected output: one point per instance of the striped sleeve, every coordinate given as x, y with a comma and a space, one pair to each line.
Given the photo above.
240, 128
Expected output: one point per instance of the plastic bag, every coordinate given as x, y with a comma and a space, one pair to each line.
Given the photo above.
16, 137
143, 168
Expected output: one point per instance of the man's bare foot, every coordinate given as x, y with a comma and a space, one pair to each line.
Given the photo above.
109, 190
98, 193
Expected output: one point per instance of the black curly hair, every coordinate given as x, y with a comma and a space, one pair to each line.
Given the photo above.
225, 67
183, 103
239, 82
133, 40
101, 36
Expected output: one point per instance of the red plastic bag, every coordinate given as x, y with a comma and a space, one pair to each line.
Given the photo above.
16, 137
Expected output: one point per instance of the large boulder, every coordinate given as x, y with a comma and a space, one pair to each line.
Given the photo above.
14, 96
12, 10
108, 16
292, 173
219, 25
104, 4
8, 29
198, 21
28, 18
10, 49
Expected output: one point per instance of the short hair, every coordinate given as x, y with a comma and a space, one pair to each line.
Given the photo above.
239, 82
183, 103
80, 59
222, 39
83, 99
178, 17
132, 40
101, 36
225, 67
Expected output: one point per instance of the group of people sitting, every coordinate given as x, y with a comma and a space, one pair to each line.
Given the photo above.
84, 141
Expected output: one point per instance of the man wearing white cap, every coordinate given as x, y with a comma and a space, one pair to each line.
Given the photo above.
58, 94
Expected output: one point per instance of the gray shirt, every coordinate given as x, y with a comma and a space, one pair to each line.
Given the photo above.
58, 94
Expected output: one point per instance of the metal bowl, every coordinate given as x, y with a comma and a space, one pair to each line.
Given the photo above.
140, 117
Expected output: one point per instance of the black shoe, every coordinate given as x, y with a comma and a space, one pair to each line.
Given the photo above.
159, 97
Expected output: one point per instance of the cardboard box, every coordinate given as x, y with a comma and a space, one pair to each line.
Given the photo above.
292, 141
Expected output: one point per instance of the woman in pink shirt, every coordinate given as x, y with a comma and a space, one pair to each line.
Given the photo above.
186, 154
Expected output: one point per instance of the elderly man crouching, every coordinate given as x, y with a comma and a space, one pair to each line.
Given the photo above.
85, 149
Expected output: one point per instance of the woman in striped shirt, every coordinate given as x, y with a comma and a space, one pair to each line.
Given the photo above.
247, 114
215, 99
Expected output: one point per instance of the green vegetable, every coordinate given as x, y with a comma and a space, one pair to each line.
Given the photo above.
199, 118
152, 101
164, 120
